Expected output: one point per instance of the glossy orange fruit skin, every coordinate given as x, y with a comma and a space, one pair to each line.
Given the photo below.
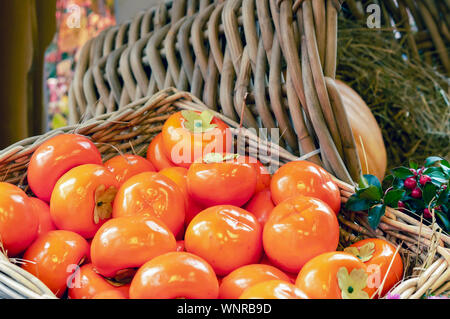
382, 257
261, 205
179, 176
305, 178
129, 242
232, 182
156, 154
18, 221
263, 176
183, 147
73, 203
266, 261
318, 276
152, 194
88, 283
299, 229
226, 236
175, 275
234, 284
109, 294
128, 165
57, 156
54, 257
42, 210
273, 289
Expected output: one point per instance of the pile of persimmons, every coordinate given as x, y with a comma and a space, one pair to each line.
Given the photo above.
192, 220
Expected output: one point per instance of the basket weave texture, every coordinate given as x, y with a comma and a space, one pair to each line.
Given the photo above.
262, 63
131, 129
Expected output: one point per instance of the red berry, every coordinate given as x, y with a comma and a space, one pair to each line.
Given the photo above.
410, 183
427, 213
416, 193
413, 171
420, 171
424, 179
400, 204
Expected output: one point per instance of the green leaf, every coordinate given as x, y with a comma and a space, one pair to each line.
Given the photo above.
387, 182
432, 160
445, 163
356, 204
372, 180
371, 193
402, 172
363, 183
429, 192
443, 197
375, 214
444, 219
413, 164
392, 197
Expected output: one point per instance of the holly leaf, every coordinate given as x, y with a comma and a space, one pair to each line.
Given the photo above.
429, 192
402, 172
375, 214
356, 204
372, 180
430, 161
413, 164
444, 219
392, 197
443, 197
371, 193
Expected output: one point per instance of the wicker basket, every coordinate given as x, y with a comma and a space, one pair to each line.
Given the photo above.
131, 130
241, 57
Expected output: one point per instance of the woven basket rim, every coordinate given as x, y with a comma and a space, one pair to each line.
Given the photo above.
437, 272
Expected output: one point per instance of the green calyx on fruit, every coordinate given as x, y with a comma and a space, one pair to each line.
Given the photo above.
352, 284
364, 253
198, 123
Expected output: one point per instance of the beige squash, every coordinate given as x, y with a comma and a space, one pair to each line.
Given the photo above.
367, 133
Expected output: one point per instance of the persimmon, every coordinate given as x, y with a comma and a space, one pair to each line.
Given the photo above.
188, 135
179, 176
87, 283
127, 165
234, 284
378, 254
53, 258
42, 210
273, 289
221, 179
226, 236
175, 275
18, 221
109, 294
335, 275
261, 205
305, 178
53, 158
153, 194
156, 154
128, 242
299, 229
82, 199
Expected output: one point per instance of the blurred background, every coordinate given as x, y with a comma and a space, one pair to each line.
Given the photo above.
39, 55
